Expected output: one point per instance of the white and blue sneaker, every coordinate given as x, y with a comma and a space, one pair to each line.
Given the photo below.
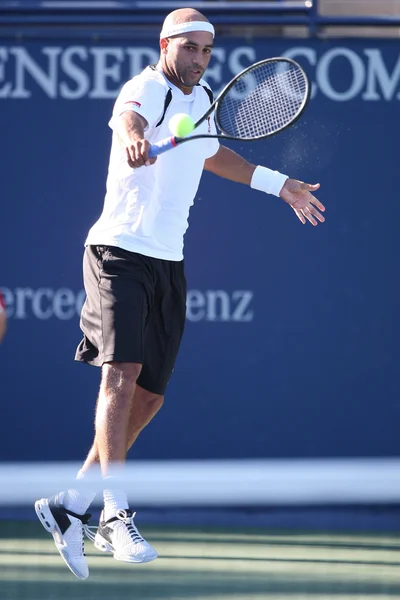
67, 529
120, 536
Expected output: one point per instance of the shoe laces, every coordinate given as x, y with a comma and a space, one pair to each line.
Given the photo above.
83, 541
90, 532
79, 525
127, 518
75, 539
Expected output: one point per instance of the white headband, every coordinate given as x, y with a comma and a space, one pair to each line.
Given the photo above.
186, 28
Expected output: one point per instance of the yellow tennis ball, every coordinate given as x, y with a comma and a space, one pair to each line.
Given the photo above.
181, 125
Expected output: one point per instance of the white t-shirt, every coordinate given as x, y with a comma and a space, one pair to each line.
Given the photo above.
146, 210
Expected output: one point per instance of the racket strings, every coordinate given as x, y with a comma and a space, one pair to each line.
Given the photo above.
263, 100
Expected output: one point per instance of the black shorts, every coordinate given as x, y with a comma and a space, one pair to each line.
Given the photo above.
134, 311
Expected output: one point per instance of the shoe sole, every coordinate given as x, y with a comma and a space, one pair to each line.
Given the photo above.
105, 546
46, 518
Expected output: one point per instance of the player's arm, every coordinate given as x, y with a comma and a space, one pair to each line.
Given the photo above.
226, 163
3, 318
129, 127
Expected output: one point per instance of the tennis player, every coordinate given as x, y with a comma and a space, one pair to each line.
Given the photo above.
3, 317
134, 314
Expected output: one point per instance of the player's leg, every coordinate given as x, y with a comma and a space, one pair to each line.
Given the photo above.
111, 428
145, 405
113, 409
118, 295
163, 335
112, 419
112, 434
117, 532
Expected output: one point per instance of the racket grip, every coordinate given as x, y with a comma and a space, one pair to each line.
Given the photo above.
162, 146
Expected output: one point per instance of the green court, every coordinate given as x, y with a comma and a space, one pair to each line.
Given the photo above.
200, 563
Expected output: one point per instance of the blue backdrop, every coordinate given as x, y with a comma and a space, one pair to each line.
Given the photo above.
292, 332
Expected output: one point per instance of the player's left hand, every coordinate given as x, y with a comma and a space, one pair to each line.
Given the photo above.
299, 196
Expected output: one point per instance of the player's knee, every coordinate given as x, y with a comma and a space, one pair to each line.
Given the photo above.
146, 406
157, 402
153, 401
120, 377
150, 405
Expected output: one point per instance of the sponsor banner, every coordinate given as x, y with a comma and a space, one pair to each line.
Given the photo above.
291, 342
65, 304
71, 72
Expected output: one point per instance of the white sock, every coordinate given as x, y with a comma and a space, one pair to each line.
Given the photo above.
76, 500
114, 499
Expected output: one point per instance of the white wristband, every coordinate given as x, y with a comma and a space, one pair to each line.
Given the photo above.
265, 180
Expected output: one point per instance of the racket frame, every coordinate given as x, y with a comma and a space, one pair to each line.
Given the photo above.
226, 89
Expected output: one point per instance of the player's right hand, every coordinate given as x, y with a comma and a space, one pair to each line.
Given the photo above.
137, 154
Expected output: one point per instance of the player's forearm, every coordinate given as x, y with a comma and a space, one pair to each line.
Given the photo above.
226, 163
130, 127
230, 165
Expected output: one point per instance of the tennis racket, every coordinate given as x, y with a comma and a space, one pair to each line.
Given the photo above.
262, 100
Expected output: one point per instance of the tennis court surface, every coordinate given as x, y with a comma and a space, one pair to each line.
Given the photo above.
205, 562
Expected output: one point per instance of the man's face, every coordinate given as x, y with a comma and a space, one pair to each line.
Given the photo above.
187, 57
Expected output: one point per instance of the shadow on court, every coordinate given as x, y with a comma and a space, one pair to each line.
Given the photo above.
207, 563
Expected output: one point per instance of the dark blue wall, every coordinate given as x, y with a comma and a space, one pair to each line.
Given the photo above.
291, 342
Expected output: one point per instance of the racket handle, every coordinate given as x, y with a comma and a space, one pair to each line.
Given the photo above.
162, 146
